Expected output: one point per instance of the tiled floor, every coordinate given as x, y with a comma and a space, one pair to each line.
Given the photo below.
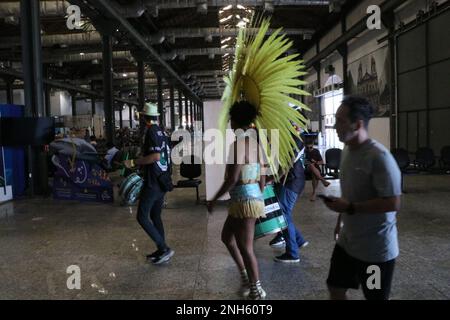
40, 238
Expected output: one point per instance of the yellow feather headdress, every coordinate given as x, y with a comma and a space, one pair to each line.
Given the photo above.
263, 76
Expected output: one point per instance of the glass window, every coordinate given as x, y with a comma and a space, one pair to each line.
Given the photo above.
332, 101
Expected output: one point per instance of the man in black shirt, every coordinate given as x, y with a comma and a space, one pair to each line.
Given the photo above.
313, 161
155, 161
294, 183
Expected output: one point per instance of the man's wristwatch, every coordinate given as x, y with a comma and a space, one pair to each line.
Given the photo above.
351, 209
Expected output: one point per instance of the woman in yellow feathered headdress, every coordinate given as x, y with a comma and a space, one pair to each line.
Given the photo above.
264, 75
257, 96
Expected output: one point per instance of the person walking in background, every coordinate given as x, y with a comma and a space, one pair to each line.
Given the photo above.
288, 191
313, 162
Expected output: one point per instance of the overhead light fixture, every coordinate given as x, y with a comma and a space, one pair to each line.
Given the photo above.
81, 53
157, 38
268, 6
208, 38
202, 8
124, 75
171, 55
335, 6
225, 40
239, 6
224, 46
153, 10
228, 7
226, 19
11, 20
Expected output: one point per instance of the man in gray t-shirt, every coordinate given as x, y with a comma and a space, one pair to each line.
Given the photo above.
366, 229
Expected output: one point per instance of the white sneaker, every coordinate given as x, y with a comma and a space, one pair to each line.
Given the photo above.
244, 291
304, 244
261, 295
164, 257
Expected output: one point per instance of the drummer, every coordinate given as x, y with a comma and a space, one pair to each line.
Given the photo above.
155, 161
288, 190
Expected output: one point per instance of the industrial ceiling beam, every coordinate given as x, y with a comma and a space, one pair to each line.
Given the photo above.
206, 73
222, 32
65, 86
176, 53
76, 57
105, 6
210, 52
94, 37
70, 39
176, 4
47, 8
78, 38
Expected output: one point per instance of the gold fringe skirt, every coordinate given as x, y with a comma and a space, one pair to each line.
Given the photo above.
246, 202
247, 209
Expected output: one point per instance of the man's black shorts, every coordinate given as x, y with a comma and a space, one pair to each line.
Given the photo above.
348, 273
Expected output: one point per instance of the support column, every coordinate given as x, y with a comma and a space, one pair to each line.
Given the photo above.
172, 109
141, 93
33, 88
121, 117
47, 109
32, 57
160, 101
195, 113
108, 102
9, 90
74, 103
130, 109
186, 111
343, 51
93, 111
180, 109
202, 116
92, 99
388, 19
316, 67
191, 114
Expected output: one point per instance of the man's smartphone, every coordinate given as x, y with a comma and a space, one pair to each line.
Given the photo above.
325, 198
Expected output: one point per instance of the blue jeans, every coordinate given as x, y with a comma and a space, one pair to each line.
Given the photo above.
149, 215
292, 235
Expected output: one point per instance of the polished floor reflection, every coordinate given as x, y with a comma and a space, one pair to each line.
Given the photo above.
41, 238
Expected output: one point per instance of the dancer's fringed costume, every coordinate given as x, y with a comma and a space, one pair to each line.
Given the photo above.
267, 76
